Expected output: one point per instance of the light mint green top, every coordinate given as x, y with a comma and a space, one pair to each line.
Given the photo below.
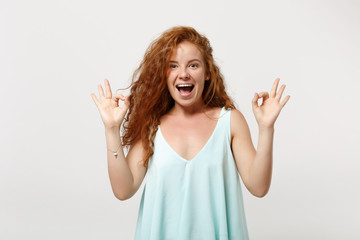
198, 199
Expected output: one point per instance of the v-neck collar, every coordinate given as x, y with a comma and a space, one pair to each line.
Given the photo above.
202, 149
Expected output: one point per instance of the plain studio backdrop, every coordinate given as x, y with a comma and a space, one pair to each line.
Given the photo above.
54, 182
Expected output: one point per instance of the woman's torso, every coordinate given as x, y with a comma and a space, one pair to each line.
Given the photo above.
197, 199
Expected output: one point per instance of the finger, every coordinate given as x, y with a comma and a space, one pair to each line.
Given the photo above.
254, 101
285, 100
264, 95
274, 87
101, 92
127, 100
108, 89
117, 97
95, 100
280, 92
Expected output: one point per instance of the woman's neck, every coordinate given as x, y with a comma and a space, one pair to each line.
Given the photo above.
187, 111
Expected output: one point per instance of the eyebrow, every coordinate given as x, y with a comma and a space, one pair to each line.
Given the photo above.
195, 59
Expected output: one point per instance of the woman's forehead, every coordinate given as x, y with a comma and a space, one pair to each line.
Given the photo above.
185, 50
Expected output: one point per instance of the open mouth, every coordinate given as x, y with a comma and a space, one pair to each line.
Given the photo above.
185, 89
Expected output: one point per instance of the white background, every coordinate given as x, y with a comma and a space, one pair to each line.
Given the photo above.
53, 170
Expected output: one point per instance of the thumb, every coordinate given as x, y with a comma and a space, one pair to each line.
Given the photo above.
117, 97
254, 101
127, 100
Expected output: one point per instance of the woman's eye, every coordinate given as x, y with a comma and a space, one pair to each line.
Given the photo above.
194, 65
173, 66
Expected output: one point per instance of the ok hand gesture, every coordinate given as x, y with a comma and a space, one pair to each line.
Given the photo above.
111, 114
267, 113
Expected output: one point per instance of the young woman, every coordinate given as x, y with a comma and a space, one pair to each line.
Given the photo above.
187, 137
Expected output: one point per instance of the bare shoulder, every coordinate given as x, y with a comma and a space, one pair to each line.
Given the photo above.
238, 124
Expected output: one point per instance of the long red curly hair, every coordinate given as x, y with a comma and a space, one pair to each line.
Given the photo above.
149, 96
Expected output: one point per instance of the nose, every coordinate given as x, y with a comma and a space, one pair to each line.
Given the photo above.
184, 74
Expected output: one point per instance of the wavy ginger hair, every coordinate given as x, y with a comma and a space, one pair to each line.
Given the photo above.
149, 96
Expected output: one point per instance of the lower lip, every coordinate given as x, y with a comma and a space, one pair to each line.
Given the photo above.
185, 94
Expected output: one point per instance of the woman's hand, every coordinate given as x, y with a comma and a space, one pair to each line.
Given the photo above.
111, 114
267, 113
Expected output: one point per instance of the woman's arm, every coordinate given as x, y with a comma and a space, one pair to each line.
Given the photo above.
125, 174
255, 166
120, 175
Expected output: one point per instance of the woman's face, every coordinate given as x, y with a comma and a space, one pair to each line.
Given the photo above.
186, 75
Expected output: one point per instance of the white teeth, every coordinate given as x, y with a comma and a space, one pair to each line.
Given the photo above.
184, 85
